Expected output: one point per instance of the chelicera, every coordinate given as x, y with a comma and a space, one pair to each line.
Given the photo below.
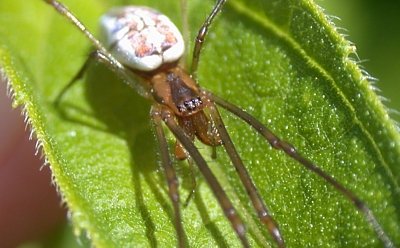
144, 47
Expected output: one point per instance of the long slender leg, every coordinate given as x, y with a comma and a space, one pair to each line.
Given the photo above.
278, 144
101, 53
130, 78
263, 214
78, 76
202, 35
226, 205
172, 180
63, 10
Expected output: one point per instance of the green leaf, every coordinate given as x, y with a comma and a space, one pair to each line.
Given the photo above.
282, 61
370, 26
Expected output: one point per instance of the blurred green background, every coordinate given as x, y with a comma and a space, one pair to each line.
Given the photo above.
374, 27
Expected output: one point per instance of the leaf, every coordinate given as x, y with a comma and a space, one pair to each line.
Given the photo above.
282, 61
375, 41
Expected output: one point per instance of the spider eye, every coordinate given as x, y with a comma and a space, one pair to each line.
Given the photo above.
192, 104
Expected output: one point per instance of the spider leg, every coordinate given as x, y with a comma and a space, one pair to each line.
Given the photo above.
288, 148
262, 211
202, 35
101, 54
77, 77
226, 205
173, 183
130, 78
63, 10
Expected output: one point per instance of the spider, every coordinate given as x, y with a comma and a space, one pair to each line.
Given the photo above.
145, 48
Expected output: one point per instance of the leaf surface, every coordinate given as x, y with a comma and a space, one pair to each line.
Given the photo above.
282, 61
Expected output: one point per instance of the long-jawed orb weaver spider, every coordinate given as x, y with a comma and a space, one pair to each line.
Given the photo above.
142, 43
